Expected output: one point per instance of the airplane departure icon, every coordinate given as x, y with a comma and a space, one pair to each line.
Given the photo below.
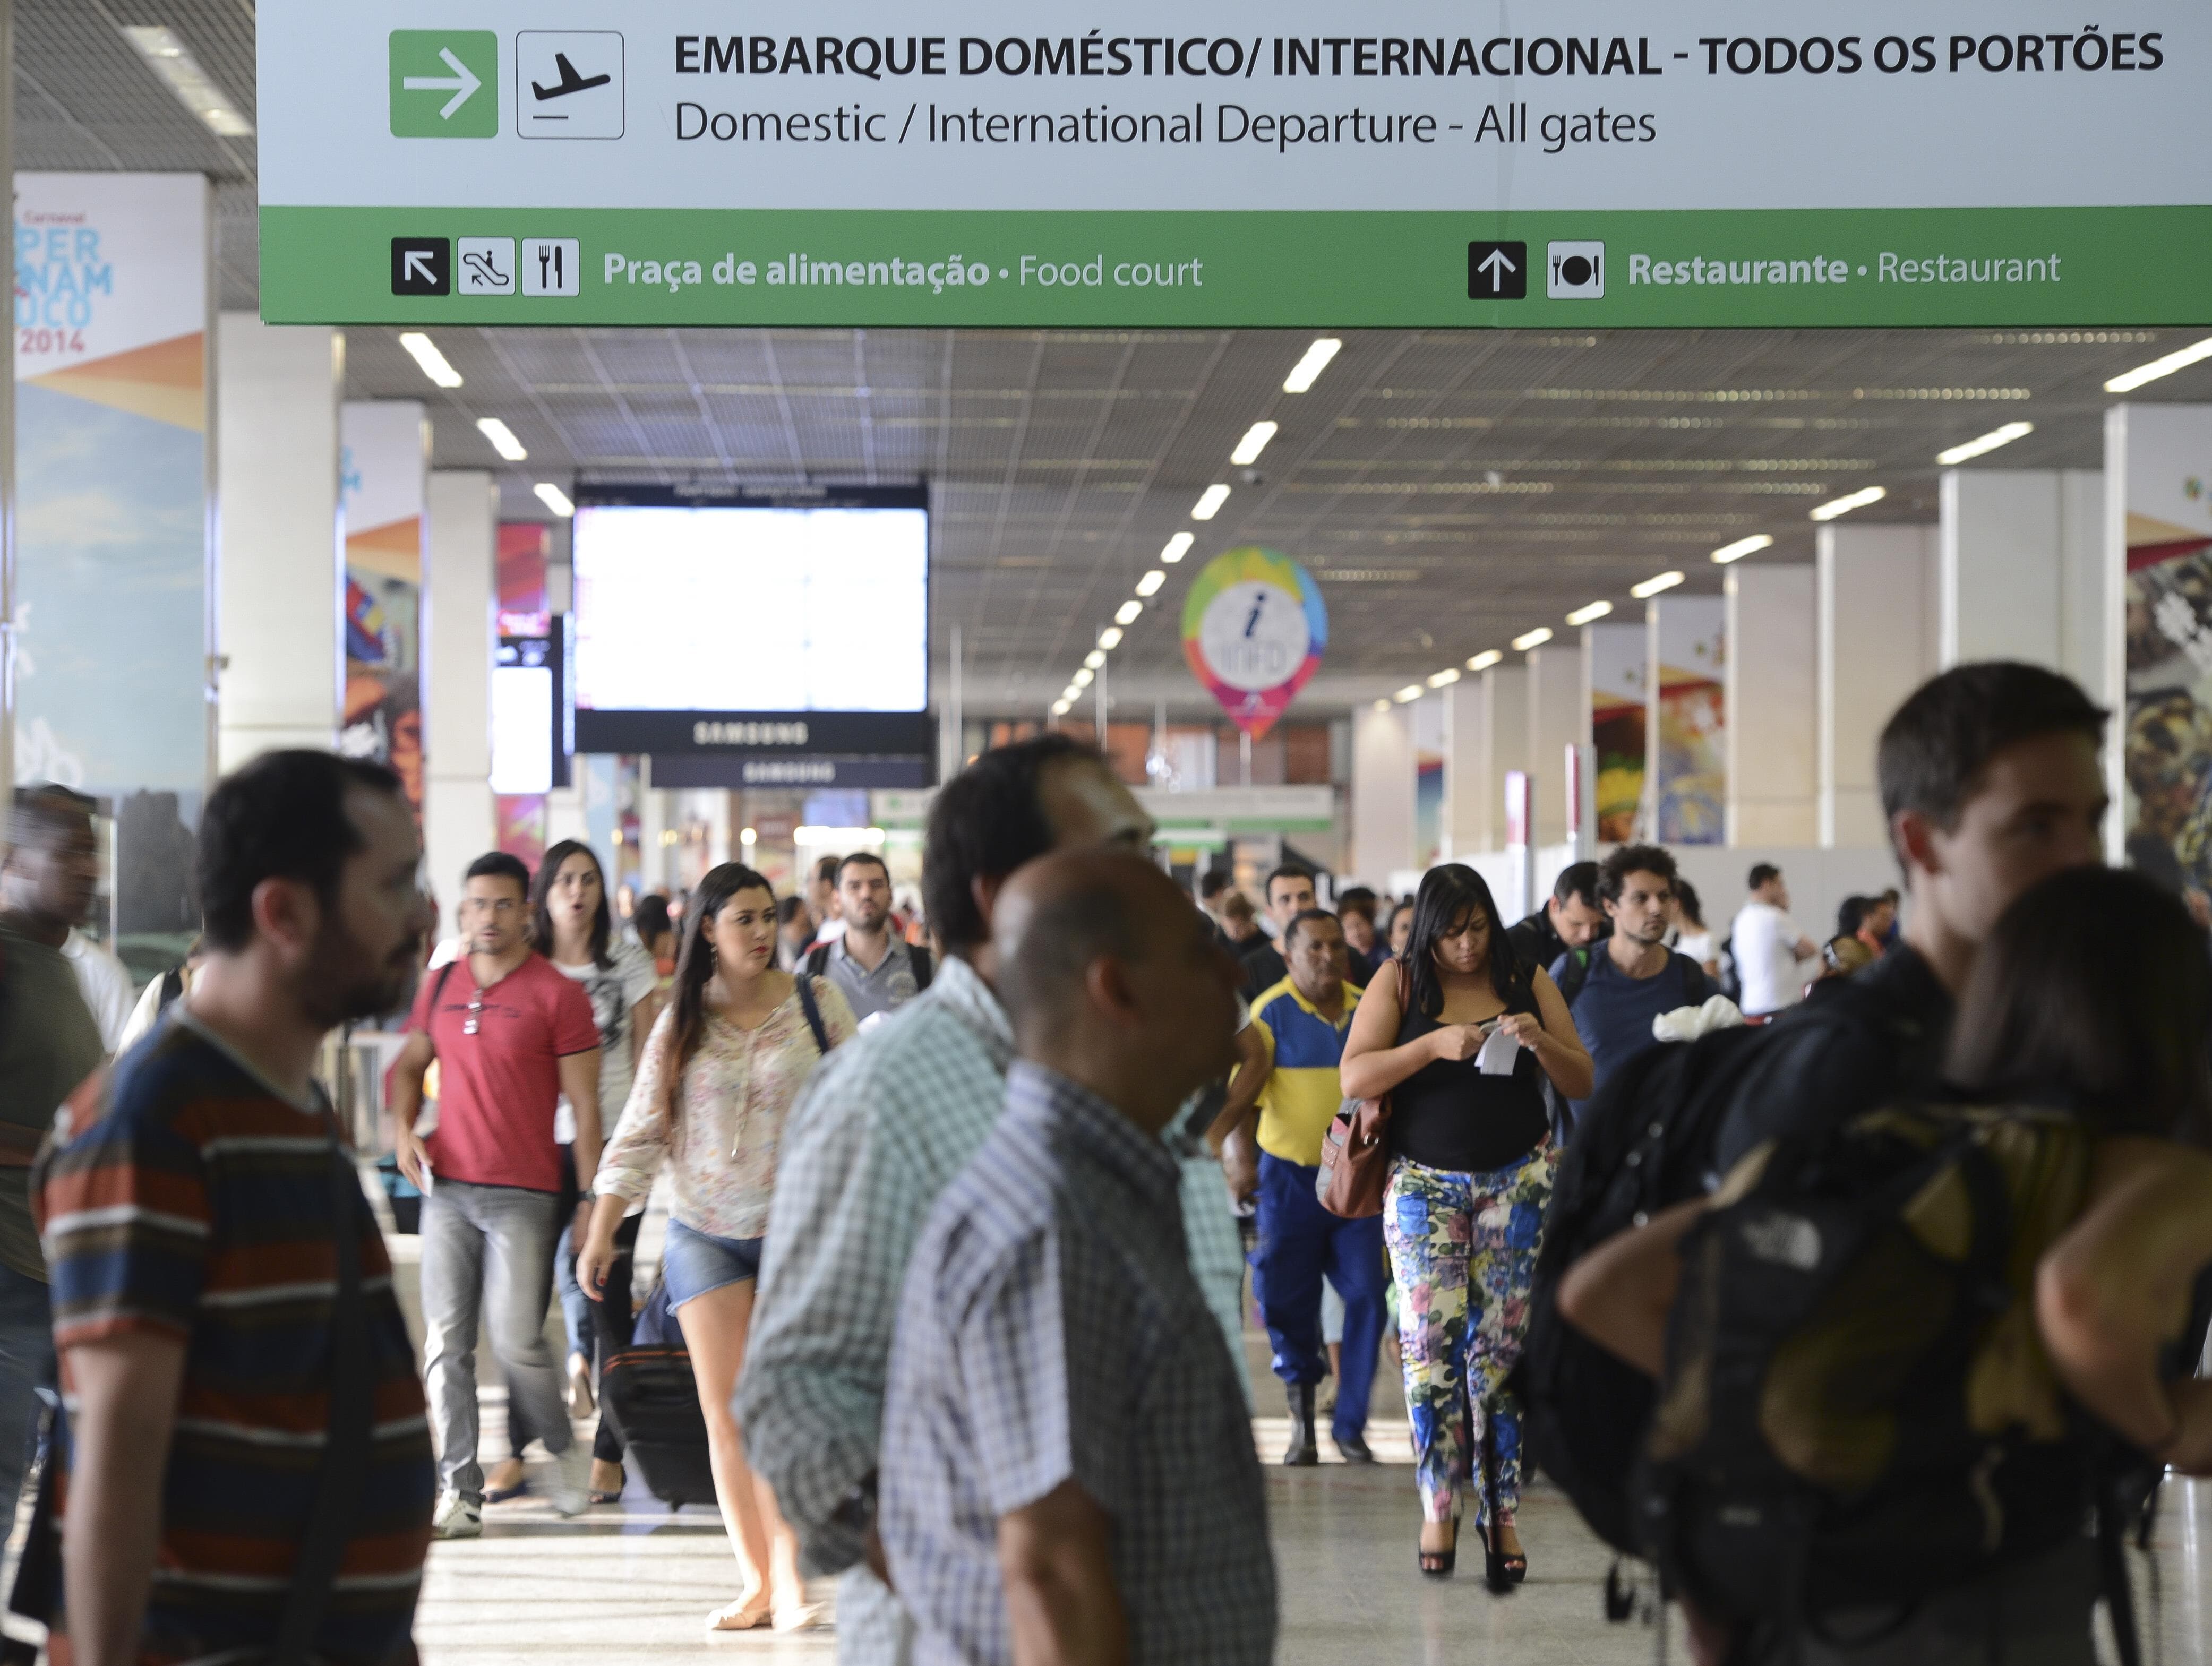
570, 81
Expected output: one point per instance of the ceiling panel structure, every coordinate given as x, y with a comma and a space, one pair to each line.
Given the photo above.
1448, 490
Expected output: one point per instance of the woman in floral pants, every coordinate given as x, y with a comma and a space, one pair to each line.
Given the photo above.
1472, 1165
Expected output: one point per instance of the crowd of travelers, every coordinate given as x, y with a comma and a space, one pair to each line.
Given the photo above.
1855, 1284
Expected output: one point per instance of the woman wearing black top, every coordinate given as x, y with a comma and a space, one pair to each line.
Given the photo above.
1472, 1162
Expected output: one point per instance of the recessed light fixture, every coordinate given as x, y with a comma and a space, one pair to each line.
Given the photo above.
1583, 616
1083, 678
424, 351
1308, 369
1848, 502
1176, 547
1987, 442
195, 89
1095, 659
502, 438
1253, 442
554, 499
1110, 638
1485, 661
1209, 502
1149, 585
1654, 585
1536, 638
749, 836
1445, 678
1126, 613
1742, 547
1412, 691
2195, 353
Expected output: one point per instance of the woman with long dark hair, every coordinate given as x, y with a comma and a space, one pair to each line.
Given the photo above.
718, 1078
2091, 996
1458, 1031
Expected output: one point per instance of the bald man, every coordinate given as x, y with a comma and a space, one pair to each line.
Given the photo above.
1068, 1470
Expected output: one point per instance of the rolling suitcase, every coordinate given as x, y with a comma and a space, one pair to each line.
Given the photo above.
647, 1392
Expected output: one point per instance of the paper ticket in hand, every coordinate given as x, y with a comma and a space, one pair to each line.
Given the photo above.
1498, 1055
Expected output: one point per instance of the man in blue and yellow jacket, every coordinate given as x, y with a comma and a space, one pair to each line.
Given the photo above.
1289, 1075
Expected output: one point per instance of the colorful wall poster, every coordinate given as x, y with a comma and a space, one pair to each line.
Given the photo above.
519, 818
1616, 658
1688, 750
2161, 456
525, 547
383, 464
1254, 630
114, 525
1428, 780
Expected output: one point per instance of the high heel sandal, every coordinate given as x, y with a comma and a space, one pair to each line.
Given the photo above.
1501, 1571
1439, 1564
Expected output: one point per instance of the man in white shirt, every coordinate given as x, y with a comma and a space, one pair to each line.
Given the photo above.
1768, 945
105, 981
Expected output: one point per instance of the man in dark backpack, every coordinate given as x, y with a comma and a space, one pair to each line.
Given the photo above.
1631, 977
1569, 923
874, 971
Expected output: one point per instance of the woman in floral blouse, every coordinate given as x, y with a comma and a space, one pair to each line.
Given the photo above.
717, 1079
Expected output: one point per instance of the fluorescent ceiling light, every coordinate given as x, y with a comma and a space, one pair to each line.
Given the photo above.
1149, 585
1083, 678
1069, 693
1411, 691
502, 438
1209, 502
1654, 585
554, 499
1848, 502
1987, 442
1308, 369
749, 836
1536, 638
1110, 638
1176, 547
2194, 354
1126, 613
195, 89
1095, 659
424, 352
1485, 661
1742, 547
1445, 678
1382, 705
1253, 442
1583, 616
1060, 707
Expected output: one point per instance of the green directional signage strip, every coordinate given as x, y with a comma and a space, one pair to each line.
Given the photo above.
1694, 268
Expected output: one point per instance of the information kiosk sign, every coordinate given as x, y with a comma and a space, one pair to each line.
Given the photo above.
1418, 163
1254, 630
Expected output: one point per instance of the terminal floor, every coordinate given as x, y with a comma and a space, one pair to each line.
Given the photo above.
634, 1580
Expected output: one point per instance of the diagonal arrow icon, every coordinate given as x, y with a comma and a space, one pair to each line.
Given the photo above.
420, 268
462, 82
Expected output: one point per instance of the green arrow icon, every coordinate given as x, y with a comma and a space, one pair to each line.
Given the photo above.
445, 83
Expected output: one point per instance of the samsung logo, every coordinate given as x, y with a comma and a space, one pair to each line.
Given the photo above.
748, 734
809, 772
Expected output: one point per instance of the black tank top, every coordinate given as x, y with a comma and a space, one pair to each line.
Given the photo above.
1448, 1114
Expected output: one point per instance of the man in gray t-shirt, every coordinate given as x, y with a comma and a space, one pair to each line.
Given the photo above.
49, 1042
870, 966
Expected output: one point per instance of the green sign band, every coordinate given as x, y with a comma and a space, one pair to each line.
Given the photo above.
1701, 269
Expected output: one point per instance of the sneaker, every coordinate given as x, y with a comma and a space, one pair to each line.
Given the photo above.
569, 1491
457, 1518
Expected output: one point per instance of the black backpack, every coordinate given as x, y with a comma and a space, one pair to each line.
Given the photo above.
1815, 1446
818, 963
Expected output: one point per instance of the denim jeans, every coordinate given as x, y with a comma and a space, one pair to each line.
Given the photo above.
27, 1362
488, 1254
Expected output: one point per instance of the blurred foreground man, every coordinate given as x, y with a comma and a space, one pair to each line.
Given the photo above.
882, 1126
245, 1410
1068, 1475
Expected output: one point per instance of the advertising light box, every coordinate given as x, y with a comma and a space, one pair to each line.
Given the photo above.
751, 624
1413, 163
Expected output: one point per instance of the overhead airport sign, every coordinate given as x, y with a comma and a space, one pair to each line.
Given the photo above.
1418, 163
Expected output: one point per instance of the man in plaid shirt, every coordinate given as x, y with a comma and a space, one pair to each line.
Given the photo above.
882, 1127
1067, 1472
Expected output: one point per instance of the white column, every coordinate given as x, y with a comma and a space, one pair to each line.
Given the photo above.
1382, 793
1555, 723
1773, 706
2022, 568
1467, 812
280, 548
460, 594
1505, 745
1878, 617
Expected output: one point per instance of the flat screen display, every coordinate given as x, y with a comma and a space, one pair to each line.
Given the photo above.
522, 729
751, 608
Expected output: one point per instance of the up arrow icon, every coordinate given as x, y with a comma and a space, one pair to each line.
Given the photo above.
1496, 264
1497, 271
461, 82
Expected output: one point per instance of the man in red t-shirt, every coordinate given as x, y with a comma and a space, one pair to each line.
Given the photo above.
511, 1035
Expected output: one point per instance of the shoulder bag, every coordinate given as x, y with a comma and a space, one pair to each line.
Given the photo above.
1355, 1156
